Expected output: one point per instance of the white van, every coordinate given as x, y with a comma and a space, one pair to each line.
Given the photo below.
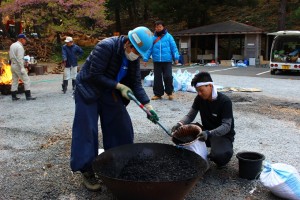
285, 52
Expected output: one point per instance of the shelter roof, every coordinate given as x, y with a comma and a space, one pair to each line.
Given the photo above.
222, 28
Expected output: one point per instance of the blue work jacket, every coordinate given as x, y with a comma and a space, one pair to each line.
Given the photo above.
101, 68
71, 54
164, 50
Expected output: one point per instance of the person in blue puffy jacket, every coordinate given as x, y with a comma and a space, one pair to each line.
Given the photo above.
163, 52
109, 74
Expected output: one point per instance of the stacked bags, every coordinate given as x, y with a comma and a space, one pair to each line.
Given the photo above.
182, 81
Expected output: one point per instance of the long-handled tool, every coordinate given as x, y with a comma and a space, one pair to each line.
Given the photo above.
131, 96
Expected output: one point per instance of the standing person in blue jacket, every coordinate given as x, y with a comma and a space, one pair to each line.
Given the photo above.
110, 72
163, 52
70, 54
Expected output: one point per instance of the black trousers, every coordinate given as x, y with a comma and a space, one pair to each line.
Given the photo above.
163, 79
221, 149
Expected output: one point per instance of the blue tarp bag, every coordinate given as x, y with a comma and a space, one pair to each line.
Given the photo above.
281, 179
240, 63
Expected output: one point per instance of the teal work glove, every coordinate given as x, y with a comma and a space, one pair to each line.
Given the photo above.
204, 135
153, 117
124, 90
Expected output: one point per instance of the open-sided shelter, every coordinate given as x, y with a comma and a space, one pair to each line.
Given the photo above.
222, 41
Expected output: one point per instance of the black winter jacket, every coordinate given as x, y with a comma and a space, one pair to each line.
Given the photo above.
101, 68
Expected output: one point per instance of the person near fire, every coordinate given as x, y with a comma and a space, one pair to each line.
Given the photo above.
16, 56
70, 54
111, 71
163, 52
216, 115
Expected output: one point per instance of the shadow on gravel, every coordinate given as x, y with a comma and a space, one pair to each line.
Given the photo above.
287, 105
236, 98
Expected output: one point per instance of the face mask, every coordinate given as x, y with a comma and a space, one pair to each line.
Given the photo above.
131, 56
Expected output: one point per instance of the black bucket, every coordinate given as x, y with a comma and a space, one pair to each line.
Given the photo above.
250, 164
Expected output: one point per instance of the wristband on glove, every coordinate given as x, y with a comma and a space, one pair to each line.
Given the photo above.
208, 133
124, 90
204, 135
153, 117
148, 106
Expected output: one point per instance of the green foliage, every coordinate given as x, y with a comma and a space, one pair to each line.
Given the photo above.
238, 3
87, 51
296, 14
193, 12
56, 53
57, 15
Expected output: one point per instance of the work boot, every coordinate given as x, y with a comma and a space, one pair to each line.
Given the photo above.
65, 86
171, 96
155, 97
14, 96
90, 181
28, 95
73, 84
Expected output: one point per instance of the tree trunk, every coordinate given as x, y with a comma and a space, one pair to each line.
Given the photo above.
18, 28
117, 17
135, 11
2, 26
282, 15
58, 41
146, 13
132, 12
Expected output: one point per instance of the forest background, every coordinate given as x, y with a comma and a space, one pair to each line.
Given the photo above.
53, 19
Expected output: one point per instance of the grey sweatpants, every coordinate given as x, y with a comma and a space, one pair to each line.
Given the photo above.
19, 72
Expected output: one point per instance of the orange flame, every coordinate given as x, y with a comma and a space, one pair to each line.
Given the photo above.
5, 74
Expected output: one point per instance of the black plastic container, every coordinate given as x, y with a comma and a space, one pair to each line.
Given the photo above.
250, 164
5, 89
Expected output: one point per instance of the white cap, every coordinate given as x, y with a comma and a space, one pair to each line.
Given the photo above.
69, 39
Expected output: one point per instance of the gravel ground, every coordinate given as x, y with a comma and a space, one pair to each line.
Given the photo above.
36, 135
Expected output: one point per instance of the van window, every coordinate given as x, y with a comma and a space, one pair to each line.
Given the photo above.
286, 48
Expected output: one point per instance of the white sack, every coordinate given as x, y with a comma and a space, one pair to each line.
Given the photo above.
282, 180
199, 148
148, 80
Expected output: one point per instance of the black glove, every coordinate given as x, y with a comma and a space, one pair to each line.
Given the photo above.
204, 135
174, 128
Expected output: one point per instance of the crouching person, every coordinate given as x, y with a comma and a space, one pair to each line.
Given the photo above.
216, 115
